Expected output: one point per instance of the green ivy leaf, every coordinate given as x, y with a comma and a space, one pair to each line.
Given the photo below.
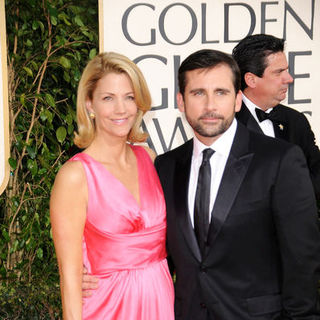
69, 119
32, 166
49, 116
70, 129
41, 26
43, 116
22, 99
35, 25
61, 134
77, 75
29, 43
78, 21
54, 78
15, 246
12, 163
77, 55
5, 234
28, 54
93, 53
42, 171
65, 62
40, 253
50, 100
66, 76
32, 152
54, 20
28, 71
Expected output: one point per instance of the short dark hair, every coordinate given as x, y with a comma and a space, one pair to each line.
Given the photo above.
208, 59
252, 51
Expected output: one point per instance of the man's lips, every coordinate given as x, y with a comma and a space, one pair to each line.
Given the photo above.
211, 117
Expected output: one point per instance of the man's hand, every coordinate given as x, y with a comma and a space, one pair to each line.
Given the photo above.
89, 283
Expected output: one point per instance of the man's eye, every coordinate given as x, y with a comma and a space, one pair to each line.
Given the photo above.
221, 92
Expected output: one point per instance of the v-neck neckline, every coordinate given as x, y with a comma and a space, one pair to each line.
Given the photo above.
139, 204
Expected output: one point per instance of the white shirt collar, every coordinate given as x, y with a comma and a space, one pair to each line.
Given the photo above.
251, 106
267, 125
221, 146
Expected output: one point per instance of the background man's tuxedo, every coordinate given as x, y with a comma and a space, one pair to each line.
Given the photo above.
263, 255
293, 127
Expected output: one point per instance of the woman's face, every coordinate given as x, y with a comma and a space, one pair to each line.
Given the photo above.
114, 106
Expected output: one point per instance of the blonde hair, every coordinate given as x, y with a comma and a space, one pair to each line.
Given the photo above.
97, 68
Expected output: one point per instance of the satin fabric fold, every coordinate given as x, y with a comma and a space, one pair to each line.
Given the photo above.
139, 249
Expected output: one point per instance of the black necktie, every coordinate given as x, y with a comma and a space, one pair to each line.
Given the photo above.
202, 200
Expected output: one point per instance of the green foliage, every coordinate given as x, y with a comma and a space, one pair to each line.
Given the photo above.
49, 43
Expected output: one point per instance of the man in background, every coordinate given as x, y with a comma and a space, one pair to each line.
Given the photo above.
264, 83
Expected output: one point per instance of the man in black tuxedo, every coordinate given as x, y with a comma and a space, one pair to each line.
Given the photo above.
264, 83
241, 214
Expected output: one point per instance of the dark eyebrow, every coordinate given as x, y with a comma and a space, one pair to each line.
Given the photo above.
215, 90
280, 70
222, 89
196, 90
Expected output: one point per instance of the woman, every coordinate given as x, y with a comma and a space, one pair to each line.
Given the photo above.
107, 206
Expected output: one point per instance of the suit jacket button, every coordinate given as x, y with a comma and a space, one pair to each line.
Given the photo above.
203, 306
203, 268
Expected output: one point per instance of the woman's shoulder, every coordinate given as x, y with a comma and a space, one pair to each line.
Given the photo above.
71, 174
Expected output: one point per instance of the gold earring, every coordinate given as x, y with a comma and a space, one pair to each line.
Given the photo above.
92, 115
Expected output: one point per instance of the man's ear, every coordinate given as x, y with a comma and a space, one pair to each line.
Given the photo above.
238, 101
180, 102
250, 79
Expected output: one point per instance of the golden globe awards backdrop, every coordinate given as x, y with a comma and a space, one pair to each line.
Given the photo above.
158, 35
4, 113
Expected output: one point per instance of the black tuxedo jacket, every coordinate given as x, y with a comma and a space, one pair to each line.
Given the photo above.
263, 249
293, 127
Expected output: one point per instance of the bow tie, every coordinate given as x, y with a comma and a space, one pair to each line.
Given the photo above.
261, 115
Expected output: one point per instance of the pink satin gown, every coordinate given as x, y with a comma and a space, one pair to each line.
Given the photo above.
124, 245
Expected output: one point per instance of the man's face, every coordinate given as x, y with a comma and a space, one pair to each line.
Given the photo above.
272, 88
209, 102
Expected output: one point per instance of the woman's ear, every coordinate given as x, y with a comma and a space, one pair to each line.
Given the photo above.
89, 106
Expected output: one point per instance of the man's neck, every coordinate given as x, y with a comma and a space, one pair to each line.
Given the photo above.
254, 99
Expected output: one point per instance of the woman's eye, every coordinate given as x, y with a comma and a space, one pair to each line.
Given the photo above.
107, 98
131, 98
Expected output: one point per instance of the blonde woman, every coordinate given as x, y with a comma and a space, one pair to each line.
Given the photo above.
107, 206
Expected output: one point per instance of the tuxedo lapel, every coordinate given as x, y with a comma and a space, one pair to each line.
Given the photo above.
181, 184
280, 124
234, 173
246, 118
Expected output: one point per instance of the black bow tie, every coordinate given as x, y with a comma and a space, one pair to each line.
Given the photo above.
261, 115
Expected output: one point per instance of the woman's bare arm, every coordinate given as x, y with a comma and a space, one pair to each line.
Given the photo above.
68, 206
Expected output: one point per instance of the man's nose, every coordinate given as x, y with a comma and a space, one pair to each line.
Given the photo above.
288, 77
211, 104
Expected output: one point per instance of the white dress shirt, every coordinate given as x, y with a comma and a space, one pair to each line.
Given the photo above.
218, 162
266, 125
